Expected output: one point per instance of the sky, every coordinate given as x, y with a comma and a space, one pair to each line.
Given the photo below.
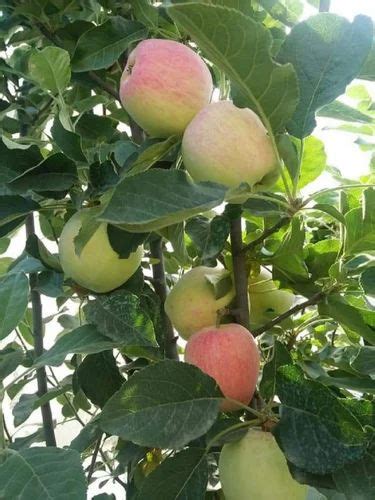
342, 153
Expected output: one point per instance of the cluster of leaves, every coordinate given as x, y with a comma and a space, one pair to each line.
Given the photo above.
64, 145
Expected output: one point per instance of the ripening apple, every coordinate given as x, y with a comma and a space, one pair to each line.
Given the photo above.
191, 304
164, 85
229, 354
255, 468
228, 145
266, 300
98, 267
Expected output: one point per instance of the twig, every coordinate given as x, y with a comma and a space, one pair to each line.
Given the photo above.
7, 433
239, 269
93, 459
37, 315
160, 286
299, 307
104, 85
266, 233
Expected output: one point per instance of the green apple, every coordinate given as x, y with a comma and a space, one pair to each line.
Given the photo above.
98, 267
229, 145
266, 300
191, 304
255, 468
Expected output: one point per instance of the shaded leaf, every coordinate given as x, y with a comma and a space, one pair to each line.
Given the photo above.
102, 46
85, 339
165, 405
41, 473
67, 141
183, 476
327, 52
158, 198
14, 293
280, 357
121, 318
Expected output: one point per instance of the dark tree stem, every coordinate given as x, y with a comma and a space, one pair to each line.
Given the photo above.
37, 315
268, 232
239, 272
160, 286
93, 459
324, 5
104, 85
299, 307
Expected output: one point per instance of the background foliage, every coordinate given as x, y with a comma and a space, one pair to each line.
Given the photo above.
66, 142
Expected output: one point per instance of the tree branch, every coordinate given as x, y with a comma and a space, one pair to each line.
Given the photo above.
324, 5
299, 307
266, 233
160, 286
37, 315
239, 269
104, 85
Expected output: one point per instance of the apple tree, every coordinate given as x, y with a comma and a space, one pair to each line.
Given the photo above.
122, 188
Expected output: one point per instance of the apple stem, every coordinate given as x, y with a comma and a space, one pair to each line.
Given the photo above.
158, 271
240, 272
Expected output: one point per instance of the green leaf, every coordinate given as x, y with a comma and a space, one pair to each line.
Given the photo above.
36, 249
55, 173
145, 12
181, 477
99, 377
102, 46
357, 480
158, 198
14, 206
10, 358
87, 436
321, 256
313, 418
340, 111
280, 357
152, 154
287, 14
120, 317
363, 360
208, 236
241, 48
314, 161
360, 225
165, 405
14, 162
368, 281
14, 293
30, 402
347, 316
85, 339
67, 141
368, 69
330, 210
42, 473
289, 256
50, 69
123, 242
327, 52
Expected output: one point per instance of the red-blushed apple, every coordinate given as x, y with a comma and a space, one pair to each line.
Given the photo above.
229, 354
255, 468
191, 304
266, 300
228, 145
164, 85
98, 267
